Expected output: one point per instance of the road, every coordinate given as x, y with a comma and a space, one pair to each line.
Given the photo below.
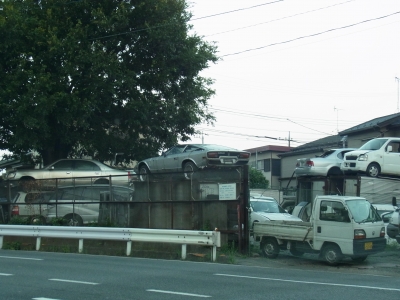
66, 276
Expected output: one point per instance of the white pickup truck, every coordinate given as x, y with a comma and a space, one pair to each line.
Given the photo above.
339, 226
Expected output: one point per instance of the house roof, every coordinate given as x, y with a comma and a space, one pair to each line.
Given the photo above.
374, 124
333, 141
271, 148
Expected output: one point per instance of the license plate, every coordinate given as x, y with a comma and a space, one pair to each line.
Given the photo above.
228, 160
368, 246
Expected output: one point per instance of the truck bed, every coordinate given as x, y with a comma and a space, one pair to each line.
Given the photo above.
289, 230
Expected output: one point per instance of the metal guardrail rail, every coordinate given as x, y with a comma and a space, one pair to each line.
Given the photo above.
183, 237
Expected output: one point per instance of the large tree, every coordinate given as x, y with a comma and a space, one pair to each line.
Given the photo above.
100, 77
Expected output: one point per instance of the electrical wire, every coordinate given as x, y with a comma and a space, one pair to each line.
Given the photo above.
279, 19
311, 35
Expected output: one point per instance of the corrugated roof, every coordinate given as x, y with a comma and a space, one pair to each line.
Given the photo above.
333, 141
269, 148
393, 119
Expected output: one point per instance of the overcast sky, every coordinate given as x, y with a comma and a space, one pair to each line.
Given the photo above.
308, 68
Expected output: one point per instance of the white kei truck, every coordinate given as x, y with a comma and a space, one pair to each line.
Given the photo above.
339, 226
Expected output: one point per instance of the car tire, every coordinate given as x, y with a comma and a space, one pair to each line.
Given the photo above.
188, 169
269, 247
373, 170
73, 220
332, 254
143, 172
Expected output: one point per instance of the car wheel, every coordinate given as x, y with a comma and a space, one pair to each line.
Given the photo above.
188, 169
373, 170
143, 172
332, 254
359, 258
37, 220
73, 220
269, 247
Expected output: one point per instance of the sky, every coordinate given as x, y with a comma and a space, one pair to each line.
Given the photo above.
297, 70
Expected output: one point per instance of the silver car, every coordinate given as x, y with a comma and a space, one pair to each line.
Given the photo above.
73, 171
328, 163
267, 209
191, 157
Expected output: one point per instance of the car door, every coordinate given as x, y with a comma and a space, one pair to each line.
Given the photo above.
391, 159
85, 172
173, 158
332, 224
61, 171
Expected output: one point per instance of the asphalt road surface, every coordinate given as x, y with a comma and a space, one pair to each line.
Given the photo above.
66, 276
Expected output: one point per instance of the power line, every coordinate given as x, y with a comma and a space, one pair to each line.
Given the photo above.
311, 35
279, 19
231, 11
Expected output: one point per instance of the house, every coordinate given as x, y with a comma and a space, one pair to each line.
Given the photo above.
266, 160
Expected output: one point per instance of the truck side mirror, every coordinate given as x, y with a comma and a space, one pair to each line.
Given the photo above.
394, 202
389, 148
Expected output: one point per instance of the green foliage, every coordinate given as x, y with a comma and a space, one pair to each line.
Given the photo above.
12, 246
257, 179
100, 77
16, 220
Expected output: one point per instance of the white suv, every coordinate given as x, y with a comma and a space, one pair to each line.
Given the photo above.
378, 156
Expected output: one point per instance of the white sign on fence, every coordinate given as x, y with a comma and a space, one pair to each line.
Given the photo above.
227, 191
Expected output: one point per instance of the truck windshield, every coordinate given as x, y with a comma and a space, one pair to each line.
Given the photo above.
373, 144
362, 211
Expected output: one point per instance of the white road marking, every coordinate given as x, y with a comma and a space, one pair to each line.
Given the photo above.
313, 282
27, 258
178, 293
41, 298
4, 274
74, 281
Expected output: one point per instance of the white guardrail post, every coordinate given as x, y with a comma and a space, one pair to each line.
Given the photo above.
183, 237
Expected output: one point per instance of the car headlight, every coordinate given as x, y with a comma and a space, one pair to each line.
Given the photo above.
363, 157
11, 175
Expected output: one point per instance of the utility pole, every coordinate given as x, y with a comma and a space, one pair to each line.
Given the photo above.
397, 79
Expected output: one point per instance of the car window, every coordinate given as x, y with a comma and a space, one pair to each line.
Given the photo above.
82, 165
373, 144
63, 165
333, 211
175, 150
35, 198
70, 193
395, 146
326, 153
191, 148
92, 193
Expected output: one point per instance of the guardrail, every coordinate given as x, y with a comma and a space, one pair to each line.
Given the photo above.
183, 237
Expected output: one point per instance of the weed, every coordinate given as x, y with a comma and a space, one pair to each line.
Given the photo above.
16, 220
12, 246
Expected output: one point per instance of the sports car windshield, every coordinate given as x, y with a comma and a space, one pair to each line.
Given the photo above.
362, 211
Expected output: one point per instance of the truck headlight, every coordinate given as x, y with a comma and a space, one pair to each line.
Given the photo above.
363, 157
